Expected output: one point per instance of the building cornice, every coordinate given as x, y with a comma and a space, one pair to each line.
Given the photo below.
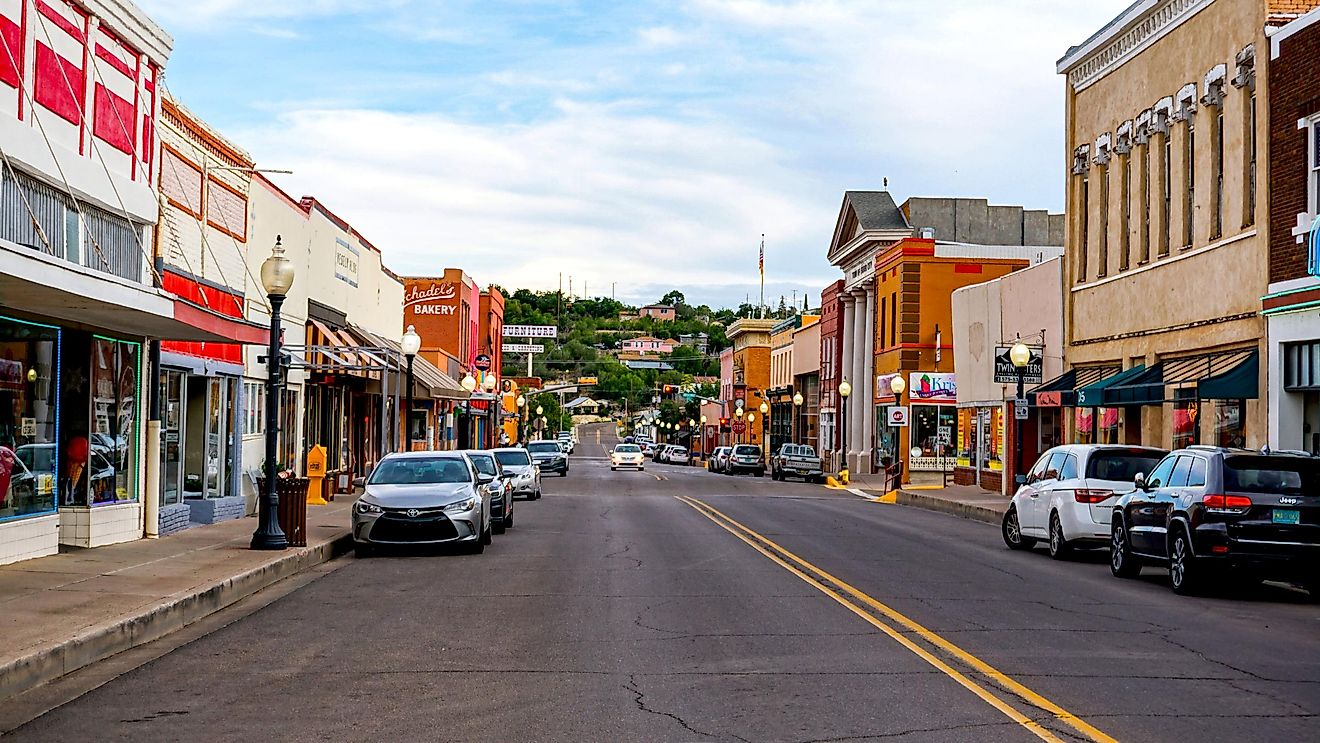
1140, 26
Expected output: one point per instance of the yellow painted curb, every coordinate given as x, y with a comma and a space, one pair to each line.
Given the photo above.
890, 497
924, 487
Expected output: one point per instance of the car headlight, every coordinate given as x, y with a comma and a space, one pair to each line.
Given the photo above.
467, 504
364, 507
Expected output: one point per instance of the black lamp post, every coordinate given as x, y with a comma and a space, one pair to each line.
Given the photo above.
1020, 355
797, 417
845, 390
411, 344
765, 413
276, 278
522, 419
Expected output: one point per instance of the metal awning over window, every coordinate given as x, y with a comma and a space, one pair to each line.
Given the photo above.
1062, 390
1232, 375
1096, 394
437, 383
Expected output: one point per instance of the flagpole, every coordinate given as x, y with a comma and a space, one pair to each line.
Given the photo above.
762, 275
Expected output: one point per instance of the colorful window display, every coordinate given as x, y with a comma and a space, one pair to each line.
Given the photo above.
1186, 421
980, 438
1097, 425
102, 465
29, 418
1231, 423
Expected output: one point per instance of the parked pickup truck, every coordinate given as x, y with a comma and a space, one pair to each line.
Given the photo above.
796, 460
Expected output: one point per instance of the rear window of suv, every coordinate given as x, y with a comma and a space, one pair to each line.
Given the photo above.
746, 450
1121, 466
1274, 475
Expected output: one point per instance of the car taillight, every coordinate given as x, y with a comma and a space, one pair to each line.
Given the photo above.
1226, 503
1083, 495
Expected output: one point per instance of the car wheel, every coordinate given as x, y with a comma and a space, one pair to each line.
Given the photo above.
1012, 531
362, 550
538, 495
1184, 572
613, 468
760, 473
486, 535
1122, 563
1059, 547
508, 521
1312, 587
477, 546
497, 526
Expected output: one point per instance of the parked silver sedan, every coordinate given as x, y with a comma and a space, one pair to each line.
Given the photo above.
518, 464
423, 497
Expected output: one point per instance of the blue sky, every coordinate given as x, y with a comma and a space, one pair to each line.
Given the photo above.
640, 145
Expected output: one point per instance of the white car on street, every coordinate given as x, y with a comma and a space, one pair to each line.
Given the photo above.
628, 455
674, 454
1068, 497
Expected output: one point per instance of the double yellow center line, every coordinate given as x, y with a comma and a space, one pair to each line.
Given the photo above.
925, 644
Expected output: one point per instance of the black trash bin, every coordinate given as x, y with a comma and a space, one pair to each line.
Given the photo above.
292, 512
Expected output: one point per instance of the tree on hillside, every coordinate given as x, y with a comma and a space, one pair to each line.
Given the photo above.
675, 298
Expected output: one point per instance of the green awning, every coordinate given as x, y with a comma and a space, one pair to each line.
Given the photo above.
1241, 382
1093, 395
1145, 388
1069, 382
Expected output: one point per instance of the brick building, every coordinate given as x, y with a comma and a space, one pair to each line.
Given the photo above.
1292, 303
831, 362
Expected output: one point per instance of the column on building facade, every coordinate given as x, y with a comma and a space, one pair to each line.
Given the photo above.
858, 404
868, 383
846, 370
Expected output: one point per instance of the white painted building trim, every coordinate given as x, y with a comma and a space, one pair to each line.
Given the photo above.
1125, 37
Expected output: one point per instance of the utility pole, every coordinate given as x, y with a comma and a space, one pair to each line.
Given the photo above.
559, 303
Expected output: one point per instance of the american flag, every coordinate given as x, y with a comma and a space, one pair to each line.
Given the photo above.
761, 262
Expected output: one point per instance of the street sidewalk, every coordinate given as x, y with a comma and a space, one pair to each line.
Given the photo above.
968, 501
66, 611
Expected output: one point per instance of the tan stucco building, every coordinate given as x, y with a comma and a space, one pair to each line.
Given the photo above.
1166, 244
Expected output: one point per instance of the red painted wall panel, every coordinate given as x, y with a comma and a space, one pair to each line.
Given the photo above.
59, 84
213, 299
11, 54
112, 120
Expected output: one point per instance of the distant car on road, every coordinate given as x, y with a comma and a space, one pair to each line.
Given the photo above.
422, 498
523, 472
627, 455
796, 460
549, 456
746, 458
1068, 498
500, 486
568, 441
674, 454
1210, 513
718, 459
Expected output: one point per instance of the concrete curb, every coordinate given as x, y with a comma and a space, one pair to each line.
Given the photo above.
172, 613
973, 511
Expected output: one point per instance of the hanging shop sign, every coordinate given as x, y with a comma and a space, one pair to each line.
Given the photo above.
530, 331
482, 362
1007, 373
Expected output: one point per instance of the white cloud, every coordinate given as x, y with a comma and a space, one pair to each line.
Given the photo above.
599, 192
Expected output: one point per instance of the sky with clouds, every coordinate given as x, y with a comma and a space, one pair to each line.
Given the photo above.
636, 146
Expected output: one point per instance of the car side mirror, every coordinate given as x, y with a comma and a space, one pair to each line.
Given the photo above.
1020, 479
1140, 480
485, 479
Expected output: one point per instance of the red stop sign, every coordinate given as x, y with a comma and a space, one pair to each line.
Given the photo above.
739, 427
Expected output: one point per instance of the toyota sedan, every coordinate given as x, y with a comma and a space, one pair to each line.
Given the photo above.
422, 498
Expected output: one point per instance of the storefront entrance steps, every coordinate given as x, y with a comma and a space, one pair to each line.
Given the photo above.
66, 611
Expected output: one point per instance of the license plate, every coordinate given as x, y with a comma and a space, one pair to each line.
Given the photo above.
1285, 516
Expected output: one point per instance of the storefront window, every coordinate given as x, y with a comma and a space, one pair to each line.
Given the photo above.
171, 437
109, 467
1109, 425
1085, 425
1186, 422
927, 420
29, 457
1230, 423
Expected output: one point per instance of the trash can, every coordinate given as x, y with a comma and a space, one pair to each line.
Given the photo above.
292, 512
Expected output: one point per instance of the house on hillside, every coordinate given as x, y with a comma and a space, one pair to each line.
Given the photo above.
646, 344
699, 341
583, 406
661, 312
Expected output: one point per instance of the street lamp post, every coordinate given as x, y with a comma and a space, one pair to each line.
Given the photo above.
522, 418
540, 411
751, 421
845, 391
798, 399
276, 277
898, 387
739, 412
469, 384
701, 438
1020, 355
411, 344
765, 410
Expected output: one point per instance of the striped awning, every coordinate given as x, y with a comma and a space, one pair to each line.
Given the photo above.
437, 383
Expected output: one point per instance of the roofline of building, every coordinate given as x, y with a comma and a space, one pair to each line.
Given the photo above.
1108, 32
1294, 26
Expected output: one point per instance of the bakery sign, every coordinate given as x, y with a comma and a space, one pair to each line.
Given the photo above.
438, 299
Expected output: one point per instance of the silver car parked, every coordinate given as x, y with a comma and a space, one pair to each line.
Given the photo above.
518, 464
424, 497
499, 485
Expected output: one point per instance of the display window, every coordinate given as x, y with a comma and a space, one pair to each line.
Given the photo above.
29, 418
1231, 423
1109, 422
102, 468
1186, 422
926, 423
1084, 425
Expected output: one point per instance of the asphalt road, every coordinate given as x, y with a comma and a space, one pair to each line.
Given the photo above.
753, 610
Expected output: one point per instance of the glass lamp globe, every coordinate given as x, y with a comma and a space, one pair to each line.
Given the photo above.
522, 401
897, 385
540, 410
1019, 354
277, 271
489, 384
764, 408
411, 343
845, 389
798, 399
469, 383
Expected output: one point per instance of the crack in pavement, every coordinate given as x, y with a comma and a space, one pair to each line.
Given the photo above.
912, 731
639, 697
620, 553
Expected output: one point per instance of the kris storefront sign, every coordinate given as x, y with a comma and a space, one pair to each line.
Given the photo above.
438, 299
531, 331
932, 387
346, 262
1006, 373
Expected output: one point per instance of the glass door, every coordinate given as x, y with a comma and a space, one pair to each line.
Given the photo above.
173, 409
215, 437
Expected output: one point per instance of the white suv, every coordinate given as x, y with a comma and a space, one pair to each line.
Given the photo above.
1068, 497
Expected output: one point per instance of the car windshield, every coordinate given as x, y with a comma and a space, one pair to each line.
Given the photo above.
1271, 475
484, 463
513, 458
420, 471
627, 449
543, 447
1121, 466
747, 450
